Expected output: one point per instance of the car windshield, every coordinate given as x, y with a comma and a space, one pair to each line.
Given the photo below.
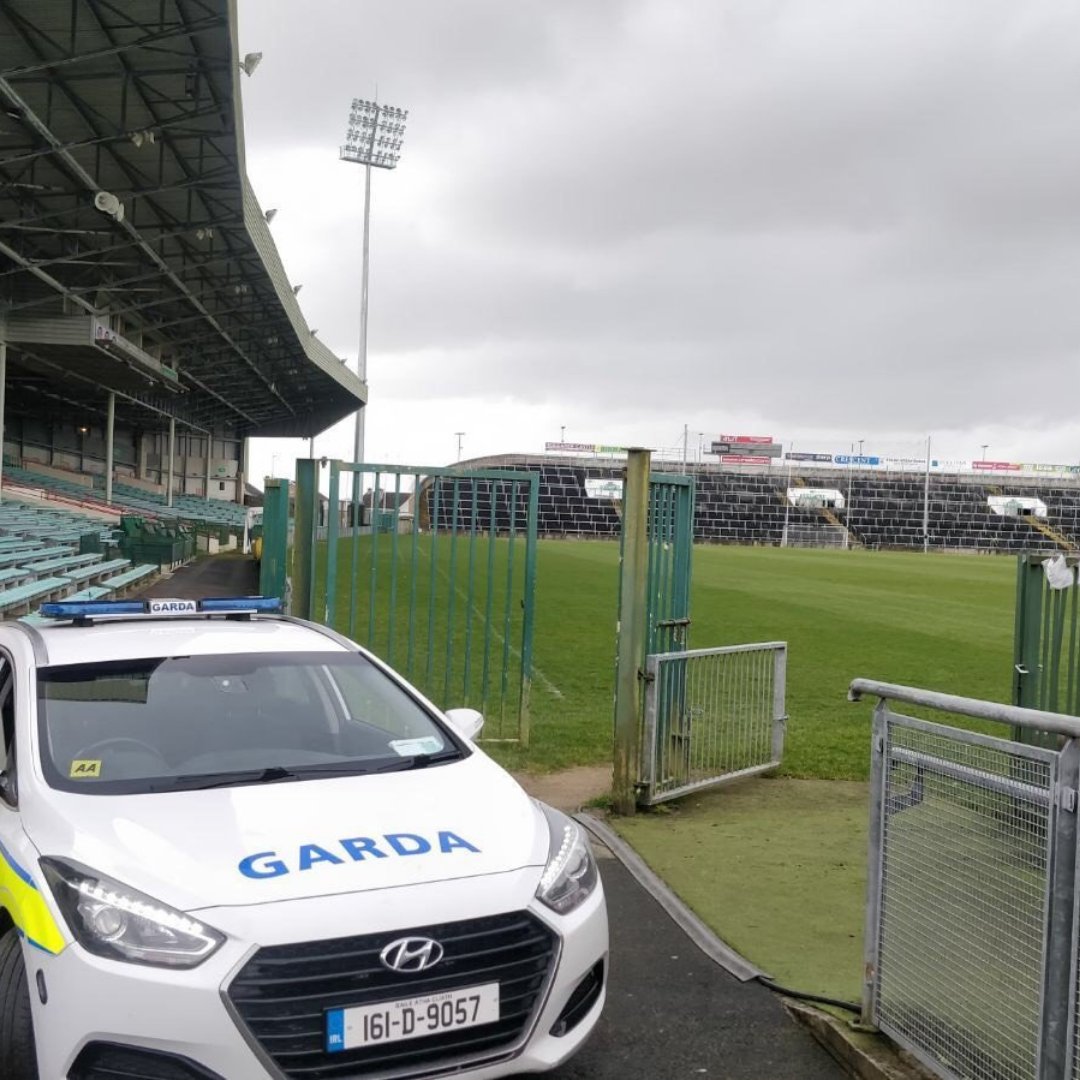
175, 723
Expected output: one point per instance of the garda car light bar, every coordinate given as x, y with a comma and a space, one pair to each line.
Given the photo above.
82, 611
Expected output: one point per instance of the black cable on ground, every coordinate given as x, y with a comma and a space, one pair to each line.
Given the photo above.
802, 995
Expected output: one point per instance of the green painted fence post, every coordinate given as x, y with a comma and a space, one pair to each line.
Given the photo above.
630, 652
307, 517
527, 625
1031, 640
275, 539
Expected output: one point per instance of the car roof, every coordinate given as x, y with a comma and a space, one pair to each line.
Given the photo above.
129, 639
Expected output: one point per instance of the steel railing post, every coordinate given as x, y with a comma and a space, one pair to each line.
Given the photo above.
1058, 988
876, 847
779, 702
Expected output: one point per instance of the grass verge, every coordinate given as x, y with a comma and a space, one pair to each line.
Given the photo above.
776, 867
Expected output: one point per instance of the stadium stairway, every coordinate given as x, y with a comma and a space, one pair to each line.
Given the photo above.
832, 519
1050, 533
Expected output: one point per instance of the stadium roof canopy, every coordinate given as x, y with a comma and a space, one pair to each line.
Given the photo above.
134, 256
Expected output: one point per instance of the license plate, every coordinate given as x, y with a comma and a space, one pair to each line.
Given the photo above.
411, 1018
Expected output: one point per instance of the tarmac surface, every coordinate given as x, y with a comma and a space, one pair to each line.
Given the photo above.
671, 1011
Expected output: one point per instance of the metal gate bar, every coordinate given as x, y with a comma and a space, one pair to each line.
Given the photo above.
670, 534
712, 716
421, 553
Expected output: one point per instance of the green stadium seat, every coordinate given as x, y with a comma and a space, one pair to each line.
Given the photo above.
95, 570
22, 596
60, 563
92, 592
130, 577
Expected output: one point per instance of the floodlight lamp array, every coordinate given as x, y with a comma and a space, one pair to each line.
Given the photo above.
375, 134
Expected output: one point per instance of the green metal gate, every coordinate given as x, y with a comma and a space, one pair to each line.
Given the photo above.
1046, 652
670, 534
434, 570
273, 561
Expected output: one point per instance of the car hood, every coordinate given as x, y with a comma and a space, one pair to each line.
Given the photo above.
284, 841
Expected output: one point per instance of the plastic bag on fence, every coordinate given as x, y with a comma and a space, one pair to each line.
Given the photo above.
1059, 575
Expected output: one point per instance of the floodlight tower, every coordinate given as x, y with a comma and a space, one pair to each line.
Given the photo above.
373, 139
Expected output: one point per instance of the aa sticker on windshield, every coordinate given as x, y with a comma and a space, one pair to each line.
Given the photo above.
85, 769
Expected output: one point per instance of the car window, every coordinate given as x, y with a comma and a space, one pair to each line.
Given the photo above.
374, 701
161, 723
7, 729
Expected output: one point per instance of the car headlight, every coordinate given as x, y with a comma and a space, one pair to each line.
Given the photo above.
109, 919
570, 875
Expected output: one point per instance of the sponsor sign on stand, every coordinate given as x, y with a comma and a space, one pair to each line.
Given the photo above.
808, 457
849, 459
995, 466
757, 439
583, 448
743, 459
1061, 470
772, 450
903, 464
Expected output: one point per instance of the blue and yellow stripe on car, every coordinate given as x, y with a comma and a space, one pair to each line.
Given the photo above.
23, 900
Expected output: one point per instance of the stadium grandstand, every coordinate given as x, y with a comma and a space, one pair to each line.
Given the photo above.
147, 326
816, 504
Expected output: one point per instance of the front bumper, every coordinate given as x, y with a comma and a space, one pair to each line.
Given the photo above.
191, 1015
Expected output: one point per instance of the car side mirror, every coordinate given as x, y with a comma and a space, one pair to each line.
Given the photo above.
8, 791
467, 722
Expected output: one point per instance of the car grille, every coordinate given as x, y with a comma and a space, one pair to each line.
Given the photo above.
283, 992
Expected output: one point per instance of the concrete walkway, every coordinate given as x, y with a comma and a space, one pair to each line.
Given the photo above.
214, 575
671, 1011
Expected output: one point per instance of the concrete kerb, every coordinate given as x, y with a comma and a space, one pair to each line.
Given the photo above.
866, 1055
695, 929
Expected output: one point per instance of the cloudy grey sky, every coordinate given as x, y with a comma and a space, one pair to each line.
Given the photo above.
824, 220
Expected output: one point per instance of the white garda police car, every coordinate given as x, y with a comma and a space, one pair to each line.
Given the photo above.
235, 845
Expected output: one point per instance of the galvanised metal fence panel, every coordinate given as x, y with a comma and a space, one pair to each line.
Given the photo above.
434, 570
970, 931
711, 716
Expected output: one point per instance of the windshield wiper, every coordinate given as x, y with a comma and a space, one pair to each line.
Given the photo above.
273, 774
420, 761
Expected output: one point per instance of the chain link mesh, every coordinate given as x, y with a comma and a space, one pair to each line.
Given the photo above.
964, 894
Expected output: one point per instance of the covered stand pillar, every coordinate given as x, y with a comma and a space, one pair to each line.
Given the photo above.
242, 470
3, 401
172, 458
209, 452
110, 429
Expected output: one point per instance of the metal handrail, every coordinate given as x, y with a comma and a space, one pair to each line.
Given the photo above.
1036, 719
686, 654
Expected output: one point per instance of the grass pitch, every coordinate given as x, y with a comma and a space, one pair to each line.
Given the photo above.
938, 621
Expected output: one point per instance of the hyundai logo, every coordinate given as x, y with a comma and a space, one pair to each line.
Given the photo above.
411, 954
